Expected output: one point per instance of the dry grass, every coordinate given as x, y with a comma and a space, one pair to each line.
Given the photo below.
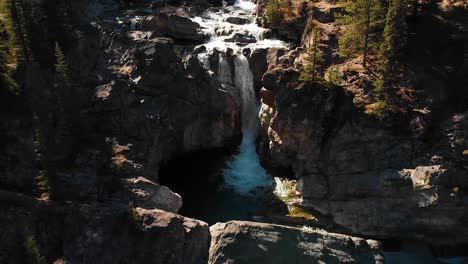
292, 11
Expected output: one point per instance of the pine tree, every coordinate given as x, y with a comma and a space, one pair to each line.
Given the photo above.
49, 137
19, 15
313, 59
273, 11
7, 83
363, 22
61, 68
62, 82
394, 43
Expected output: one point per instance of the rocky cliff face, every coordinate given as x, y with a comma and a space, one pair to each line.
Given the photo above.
376, 178
133, 104
134, 101
99, 233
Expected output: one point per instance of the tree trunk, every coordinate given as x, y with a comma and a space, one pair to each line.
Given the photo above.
366, 34
314, 57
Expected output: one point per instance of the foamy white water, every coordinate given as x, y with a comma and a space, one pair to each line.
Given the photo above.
214, 25
224, 71
244, 173
280, 189
246, 5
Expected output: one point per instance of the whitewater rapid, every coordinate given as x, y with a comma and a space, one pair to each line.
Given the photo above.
244, 173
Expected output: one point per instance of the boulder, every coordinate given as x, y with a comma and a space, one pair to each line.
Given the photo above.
242, 38
98, 233
239, 242
258, 65
178, 27
150, 195
237, 20
149, 23
267, 97
107, 235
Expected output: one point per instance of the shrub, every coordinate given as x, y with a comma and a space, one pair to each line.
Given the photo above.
333, 76
32, 251
42, 185
273, 12
380, 109
297, 211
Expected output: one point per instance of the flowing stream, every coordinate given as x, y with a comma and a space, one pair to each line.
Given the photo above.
218, 187
243, 174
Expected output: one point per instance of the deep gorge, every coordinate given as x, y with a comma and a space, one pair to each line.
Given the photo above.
233, 131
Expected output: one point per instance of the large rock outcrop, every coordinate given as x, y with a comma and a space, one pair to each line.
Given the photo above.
372, 180
100, 233
136, 103
178, 27
180, 108
239, 242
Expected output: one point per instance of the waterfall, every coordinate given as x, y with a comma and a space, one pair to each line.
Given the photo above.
205, 59
280, 189
244, 83
244, 173
224, 70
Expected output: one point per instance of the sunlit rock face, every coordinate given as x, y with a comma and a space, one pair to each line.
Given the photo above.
247, 242
372, 180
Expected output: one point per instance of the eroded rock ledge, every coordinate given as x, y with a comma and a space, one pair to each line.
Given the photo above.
372, 180
239, 242
115, 233
98, 233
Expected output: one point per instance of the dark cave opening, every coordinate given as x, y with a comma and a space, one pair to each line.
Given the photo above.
198, 178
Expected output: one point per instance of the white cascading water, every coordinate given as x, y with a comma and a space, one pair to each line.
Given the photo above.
224, 71
244, 173
280, 189
244, 83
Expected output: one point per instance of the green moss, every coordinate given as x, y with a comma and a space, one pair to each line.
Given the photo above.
32, 251
134, 216
300, 212
380, 109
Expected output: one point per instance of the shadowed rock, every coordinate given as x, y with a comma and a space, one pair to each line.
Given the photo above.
178, 27
98, 233
239, 242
